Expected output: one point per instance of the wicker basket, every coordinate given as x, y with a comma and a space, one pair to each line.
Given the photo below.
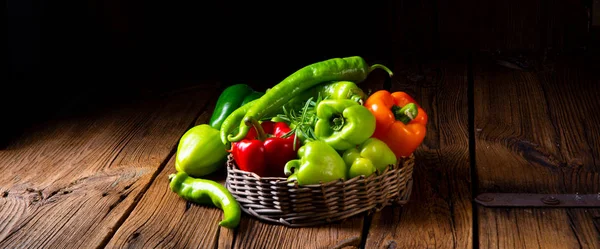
274, 199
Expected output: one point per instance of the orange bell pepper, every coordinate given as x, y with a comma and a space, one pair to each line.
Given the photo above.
400, 122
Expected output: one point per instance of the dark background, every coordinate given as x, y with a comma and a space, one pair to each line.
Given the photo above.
58, 50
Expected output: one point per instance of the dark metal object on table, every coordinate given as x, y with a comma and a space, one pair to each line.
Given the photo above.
538, 200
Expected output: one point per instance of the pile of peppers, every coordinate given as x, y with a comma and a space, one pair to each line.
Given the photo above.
315, 126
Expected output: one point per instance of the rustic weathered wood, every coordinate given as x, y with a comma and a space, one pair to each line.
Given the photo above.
567, 25
71, 182
253, 233
513, 26
535, 133
439, 213
163, 219
491, 25
412, 26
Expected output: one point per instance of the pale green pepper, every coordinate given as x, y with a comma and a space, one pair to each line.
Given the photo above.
371, 156
318, 163
343, 123
200, 151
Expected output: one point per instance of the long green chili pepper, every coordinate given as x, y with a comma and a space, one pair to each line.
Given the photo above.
353, 69
206, 192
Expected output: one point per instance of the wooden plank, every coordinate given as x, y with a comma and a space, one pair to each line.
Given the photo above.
71, 182
253, 233
531, 228
413, 26
439, 214
585, 226
163, 219
534, 134
567, 27
511, 25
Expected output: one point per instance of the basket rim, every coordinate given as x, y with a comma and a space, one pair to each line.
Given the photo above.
232, 165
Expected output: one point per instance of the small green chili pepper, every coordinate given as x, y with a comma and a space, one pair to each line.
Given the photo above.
343, 123
206, 192
353, 69
230, 123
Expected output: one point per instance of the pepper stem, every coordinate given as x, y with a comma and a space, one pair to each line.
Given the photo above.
260, 132
375, 66
337, 123
406, 113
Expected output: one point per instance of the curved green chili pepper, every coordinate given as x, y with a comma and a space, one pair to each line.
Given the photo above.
230, 123
353, 69
206, 192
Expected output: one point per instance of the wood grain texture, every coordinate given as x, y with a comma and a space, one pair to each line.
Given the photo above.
534, 134
491, 25
567, 25
164, 220
439, 214
412, 26
534, 228
513, 26
70, 182
583, 223
253, 233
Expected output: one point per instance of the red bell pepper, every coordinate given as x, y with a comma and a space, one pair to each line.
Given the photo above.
263, 150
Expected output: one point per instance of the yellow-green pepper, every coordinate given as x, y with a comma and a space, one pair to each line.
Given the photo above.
343, 123
329, 90
371, 156
318, 163
200, 151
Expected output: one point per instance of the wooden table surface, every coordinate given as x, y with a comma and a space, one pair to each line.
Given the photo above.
97, 177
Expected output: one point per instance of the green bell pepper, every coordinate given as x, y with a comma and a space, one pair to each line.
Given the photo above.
343, 123
371, 156
230, 99
317, 163
200, 151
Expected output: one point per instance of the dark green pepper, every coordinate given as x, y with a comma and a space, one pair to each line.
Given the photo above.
230, 99
343, 123
252, 96
353, 69
317, 163
206, 192
200, 152
373, 155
